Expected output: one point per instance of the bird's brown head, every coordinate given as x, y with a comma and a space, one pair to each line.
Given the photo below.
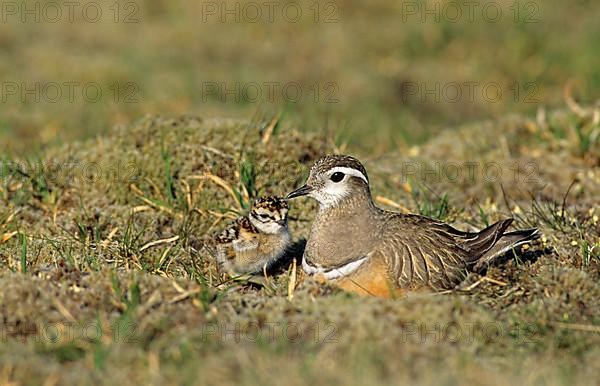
333, 178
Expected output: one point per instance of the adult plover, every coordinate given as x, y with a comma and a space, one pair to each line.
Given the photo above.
372, 251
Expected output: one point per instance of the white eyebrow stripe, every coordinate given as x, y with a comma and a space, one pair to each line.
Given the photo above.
350, 172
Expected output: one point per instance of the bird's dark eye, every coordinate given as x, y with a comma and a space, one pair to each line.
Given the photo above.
337, 176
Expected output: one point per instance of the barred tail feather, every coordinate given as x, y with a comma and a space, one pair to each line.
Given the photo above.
507, 242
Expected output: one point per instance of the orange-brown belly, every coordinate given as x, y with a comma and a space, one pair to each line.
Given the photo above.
371, 280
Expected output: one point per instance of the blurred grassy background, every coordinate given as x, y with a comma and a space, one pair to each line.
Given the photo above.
369, 58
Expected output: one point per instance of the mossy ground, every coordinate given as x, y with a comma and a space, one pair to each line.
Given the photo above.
104, 281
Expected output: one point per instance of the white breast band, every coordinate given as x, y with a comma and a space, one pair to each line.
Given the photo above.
333, 273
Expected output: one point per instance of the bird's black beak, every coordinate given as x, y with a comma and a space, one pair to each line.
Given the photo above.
302, 191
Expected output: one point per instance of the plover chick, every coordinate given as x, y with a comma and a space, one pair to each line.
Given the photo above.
255, 241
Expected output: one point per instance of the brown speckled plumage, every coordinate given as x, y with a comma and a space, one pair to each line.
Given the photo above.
254, 241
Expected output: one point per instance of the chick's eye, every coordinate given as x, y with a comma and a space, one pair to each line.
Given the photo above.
337, 176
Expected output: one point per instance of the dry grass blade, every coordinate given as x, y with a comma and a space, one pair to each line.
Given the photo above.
386, 201
494, 281
155, 188
140, 208
184, 295
7, 236
269, 130
154, 205
292, 282
571, 103
112, 234
227, 215
216, 151
188, 193
596, 116
482, 280
177, 287
576, 326
9, 218
159, 242
199, 211
220, 182
63, 311
541, 119
163, 257
264, 271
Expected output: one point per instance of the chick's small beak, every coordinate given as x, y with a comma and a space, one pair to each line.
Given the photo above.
302, 191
